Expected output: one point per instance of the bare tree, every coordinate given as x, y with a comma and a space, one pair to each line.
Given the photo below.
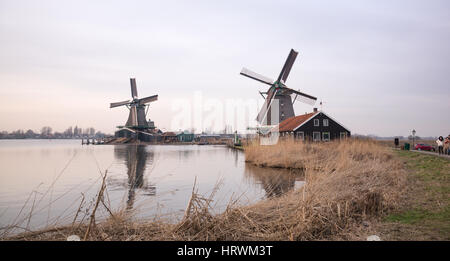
46, 131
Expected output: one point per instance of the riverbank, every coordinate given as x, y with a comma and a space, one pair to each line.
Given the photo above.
424, 213
349, 186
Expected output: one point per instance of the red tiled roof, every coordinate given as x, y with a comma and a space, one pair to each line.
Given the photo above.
294, 122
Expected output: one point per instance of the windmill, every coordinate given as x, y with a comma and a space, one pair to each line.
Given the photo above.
136, 119
280, 92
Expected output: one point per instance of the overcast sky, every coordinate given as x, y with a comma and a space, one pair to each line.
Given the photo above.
381, 67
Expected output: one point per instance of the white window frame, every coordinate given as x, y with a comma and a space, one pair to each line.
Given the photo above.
318, 134
323, 136
326, 122
343, 135
300, 135
316, 121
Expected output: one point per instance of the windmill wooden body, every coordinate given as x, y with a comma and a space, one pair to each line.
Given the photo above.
283, 96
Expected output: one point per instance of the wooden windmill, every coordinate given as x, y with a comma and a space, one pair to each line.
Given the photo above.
278, 91
137, 117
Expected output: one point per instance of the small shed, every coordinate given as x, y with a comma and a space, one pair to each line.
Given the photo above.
169, 137
185, 136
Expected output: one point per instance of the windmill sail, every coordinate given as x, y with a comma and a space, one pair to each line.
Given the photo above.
287, 66
266, 106
302, 97
133, 88
256, 76
117, 104
304, 100
148, 99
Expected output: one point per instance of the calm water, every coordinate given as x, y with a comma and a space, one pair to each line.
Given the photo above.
49, 179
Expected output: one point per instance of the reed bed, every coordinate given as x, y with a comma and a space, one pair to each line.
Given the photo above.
348, 183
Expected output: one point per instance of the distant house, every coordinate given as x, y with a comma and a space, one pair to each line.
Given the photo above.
185, 136
207, 137
169, 137
314, 126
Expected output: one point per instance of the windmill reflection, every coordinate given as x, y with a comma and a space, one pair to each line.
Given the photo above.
275, 182
136, 158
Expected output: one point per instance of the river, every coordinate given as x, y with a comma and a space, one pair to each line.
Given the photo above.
44, 182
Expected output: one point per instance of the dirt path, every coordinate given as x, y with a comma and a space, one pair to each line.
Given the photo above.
432, 153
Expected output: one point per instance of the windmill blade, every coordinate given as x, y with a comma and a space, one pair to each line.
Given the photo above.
266, 106
287, 66
302, 97
148, 99
305, 100
117, 104
134, 93
256, 76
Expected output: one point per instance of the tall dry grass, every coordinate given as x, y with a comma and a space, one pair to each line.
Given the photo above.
346, 183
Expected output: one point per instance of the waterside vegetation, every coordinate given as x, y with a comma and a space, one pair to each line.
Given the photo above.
354, 188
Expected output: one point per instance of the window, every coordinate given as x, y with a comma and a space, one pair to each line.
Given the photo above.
316, 122
343, 135
325, 136
300, 135
316, 136
325, 122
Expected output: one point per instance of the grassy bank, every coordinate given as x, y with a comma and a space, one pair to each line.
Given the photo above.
349, 186
425, 210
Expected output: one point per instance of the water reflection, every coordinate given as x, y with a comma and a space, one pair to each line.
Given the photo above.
136, 158
275, 181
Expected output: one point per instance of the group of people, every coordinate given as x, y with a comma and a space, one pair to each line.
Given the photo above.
443, 145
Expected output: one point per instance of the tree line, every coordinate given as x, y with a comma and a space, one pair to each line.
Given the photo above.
47, 133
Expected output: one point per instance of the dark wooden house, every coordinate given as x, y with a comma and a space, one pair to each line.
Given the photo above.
169, 137
314, 126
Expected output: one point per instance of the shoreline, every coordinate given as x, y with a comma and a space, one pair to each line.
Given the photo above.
363, 189
333, 205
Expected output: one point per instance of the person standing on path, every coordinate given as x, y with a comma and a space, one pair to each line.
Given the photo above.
447, 145
440, 143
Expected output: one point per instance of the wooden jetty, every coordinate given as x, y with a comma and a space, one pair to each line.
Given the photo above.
93, 141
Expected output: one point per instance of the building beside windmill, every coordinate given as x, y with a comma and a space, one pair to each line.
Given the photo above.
169, 137
279, 100
314, 126
185, 136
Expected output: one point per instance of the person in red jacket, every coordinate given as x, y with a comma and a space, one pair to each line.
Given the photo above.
447, 145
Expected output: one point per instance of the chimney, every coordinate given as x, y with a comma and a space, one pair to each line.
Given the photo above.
315, 109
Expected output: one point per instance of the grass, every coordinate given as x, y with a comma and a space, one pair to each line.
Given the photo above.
418, 215
425, 213
349, 184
